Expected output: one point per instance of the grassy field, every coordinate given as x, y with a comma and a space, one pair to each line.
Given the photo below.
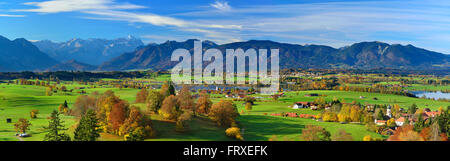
261, 128
16, 101
348, 96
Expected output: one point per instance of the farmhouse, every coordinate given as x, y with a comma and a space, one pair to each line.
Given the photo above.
432, 113
314, 107
380, 122
298, 105
400, 121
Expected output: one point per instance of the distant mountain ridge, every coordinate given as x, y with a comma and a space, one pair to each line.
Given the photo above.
72, 65
155, 56
21, 55
90, 51
364, 55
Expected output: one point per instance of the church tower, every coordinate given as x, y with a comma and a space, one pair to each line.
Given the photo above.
388, 112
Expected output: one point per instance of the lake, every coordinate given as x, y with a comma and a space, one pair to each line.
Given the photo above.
433, 95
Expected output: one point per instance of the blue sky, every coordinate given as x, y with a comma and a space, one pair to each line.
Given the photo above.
337, 23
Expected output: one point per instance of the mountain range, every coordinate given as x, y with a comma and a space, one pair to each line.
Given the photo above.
130, 53
72, 65
364, 55
21, 55
90, 51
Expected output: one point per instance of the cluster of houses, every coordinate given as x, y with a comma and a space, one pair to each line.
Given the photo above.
427, 114
371, 108
238, 96
403, 116
310, 105
298, 105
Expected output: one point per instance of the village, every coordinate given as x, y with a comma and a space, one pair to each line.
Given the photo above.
386, 118
338, 104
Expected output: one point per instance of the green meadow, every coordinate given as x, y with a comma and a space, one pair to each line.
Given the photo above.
16, 101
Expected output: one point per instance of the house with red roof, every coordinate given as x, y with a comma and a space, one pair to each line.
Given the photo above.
432, 113
380, 122
400, 121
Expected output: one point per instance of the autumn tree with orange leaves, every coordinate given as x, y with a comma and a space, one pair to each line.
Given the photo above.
170, 108
185, 99
224, 113
141, 96
406, 133
117, 116
204, 103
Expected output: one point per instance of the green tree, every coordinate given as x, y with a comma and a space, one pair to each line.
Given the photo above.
167, 89
412, 109
55, 126
88, 128
419, 124
444, 122
406, 121
171, 89
65, 104
154, 101
137, 134
367, 118
379, 114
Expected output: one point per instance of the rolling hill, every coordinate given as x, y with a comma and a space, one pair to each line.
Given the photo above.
22, 55
72, 65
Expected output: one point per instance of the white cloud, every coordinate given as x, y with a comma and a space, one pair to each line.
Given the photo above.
338, 23
111, 10
134, 17
55, 6
331, 23
222, 6
8, 15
